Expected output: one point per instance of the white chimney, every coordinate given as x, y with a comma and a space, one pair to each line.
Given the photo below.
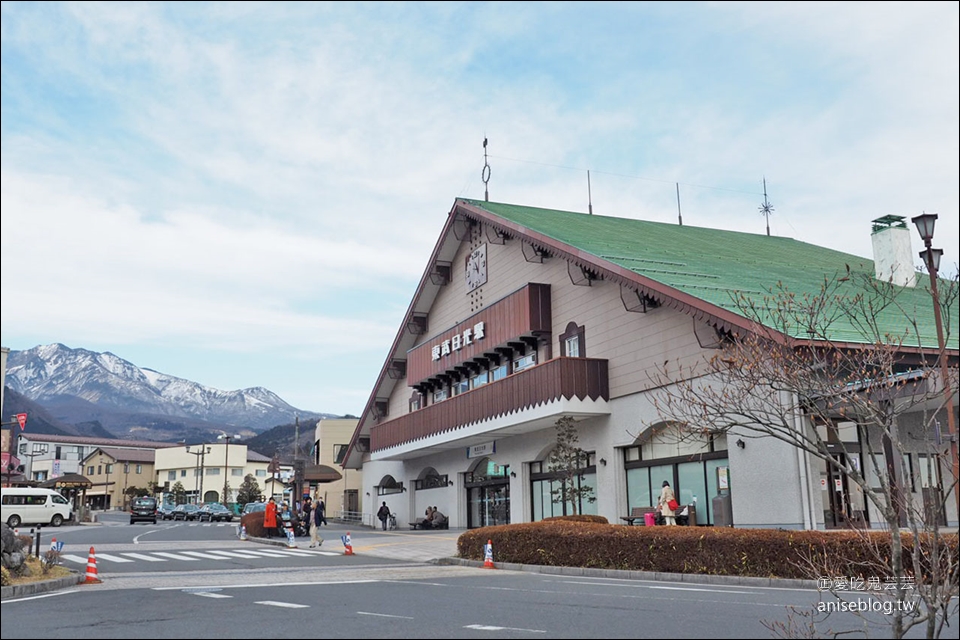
892, 254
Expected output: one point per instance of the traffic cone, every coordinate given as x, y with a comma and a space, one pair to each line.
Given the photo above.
92, 577
488, 556
347, 545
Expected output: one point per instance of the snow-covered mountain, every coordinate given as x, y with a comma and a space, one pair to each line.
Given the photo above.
80, 386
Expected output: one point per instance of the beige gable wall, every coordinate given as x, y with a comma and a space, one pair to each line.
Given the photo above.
634, 343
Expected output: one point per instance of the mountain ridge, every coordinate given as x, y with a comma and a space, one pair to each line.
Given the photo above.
96, 392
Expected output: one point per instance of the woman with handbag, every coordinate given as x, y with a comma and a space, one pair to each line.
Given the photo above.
667, 504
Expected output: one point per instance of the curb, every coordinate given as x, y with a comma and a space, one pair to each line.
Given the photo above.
40, 586
620, 574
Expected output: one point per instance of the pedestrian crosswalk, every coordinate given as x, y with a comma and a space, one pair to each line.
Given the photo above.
194, 556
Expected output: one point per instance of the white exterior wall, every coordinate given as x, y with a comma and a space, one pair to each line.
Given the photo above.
771, 484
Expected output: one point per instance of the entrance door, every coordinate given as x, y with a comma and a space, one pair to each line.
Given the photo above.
836, 498
488, 505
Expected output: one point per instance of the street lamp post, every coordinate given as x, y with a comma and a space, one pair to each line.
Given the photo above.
931, 258
198, 477
106, 488
226, 465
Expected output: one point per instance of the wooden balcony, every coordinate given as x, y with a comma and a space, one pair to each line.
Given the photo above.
560, 378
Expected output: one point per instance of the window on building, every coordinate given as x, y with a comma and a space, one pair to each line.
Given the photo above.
480, 379
460, 386
139, 469
572, 341
172, 475
40, 448
524, 362
440, 395
500, 372
339, 453
90, 470
58, 452
261, 473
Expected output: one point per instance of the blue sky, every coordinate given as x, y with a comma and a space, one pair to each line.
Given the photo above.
246, 194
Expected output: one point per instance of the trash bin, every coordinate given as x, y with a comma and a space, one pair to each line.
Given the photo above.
649, 519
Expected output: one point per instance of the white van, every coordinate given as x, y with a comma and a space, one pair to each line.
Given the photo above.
24, 505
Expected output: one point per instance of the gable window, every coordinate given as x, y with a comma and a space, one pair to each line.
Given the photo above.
572, 341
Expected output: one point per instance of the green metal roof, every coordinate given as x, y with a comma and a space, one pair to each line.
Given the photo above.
713, 265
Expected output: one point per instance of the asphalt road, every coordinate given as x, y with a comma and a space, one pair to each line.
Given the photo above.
366, 596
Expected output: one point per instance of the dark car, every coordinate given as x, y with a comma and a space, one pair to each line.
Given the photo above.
253, 507
186, 512
214, 512
143, 509
165, 511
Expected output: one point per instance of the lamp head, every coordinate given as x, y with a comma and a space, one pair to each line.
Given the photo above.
925, 224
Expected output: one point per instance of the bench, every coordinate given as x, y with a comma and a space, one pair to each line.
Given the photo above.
419, 524
639, 513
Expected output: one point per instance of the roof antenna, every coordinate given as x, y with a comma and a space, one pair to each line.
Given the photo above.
589, 194
485, 174
679, 213
766, 209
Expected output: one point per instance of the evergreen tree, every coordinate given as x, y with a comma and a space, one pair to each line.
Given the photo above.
566, 463
249, 491
179, 493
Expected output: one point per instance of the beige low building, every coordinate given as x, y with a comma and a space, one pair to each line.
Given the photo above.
203, 470
342, 497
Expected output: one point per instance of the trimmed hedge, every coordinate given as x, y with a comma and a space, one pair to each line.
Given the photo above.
765, 553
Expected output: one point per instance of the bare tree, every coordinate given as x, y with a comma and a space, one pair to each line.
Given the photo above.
815, 361
566, 462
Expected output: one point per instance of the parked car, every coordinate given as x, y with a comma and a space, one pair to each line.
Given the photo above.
143, 509
186, 512
214, 512
165, 511
253, 507
27, 505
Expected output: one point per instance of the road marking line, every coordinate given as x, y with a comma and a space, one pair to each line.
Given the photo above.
235, 554
141, 556
110, 558
695, 589
287, 605
201, 554
175, 556
486, 627
382, 615
208, 594
73, 558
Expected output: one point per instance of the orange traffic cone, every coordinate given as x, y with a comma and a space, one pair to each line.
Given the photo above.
488, 556
92, 576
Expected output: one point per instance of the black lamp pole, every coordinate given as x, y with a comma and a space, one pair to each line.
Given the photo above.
931, 258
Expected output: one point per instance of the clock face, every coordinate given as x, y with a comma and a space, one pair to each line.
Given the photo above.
476, 268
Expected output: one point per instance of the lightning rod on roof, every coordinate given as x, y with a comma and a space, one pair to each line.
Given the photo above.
766, 208
679, 213
485, 174
589, 195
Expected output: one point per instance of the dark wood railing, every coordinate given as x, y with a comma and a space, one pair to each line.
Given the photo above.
558, 378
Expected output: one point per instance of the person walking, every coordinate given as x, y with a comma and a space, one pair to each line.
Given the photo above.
315, 520
306, 516
383, 513
320, 511
667, 498
270, 517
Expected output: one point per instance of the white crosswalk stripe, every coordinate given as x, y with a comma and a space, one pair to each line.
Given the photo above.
144, 557
111, 558
194, 556
175, 556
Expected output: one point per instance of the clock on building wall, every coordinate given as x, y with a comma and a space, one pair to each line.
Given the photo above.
476, 268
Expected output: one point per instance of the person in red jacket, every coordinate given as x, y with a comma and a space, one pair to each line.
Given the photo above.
270, 517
